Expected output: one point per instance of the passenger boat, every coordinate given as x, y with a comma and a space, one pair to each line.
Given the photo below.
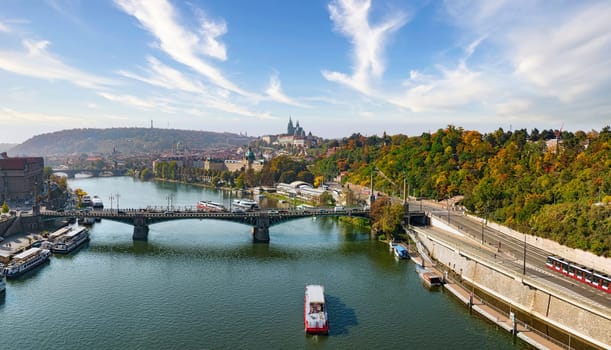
26, 261
210, 206
69, 241
58, 233
86, 201
246, 204
315, 310
96, 202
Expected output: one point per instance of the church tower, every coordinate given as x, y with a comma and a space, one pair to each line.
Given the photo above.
290, 129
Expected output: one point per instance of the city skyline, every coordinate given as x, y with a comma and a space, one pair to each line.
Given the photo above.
338, 67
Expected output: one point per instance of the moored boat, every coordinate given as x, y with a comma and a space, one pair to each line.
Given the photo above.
71, 240
400, 251
430, 278
96, 202
86, 201
246, 204
315, 310
26, 261
210, 206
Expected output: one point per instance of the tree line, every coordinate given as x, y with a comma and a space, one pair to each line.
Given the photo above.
548, 183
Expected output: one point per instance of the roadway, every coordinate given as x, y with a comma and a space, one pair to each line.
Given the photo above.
510, 253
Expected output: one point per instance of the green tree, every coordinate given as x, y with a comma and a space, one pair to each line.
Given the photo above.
5, 208
146, 174
326, 199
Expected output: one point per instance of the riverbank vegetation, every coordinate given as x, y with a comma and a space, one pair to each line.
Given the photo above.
548, 183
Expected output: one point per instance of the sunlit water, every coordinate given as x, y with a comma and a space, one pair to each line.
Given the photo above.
204, 285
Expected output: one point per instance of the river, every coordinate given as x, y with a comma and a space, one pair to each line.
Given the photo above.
204, 285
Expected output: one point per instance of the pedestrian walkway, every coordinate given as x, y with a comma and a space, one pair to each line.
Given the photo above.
501, 319
17, 243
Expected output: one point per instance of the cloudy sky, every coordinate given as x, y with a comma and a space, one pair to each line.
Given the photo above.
336, 66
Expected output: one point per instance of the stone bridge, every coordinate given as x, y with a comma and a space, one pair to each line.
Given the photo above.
260, 220
92, 172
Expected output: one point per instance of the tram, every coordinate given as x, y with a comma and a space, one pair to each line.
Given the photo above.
580, 273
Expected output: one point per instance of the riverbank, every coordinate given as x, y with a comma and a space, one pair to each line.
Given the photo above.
559, 316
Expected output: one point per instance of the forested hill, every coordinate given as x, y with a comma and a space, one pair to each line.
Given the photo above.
550, 184
124, 140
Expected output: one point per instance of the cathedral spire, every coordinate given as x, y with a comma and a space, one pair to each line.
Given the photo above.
290, 128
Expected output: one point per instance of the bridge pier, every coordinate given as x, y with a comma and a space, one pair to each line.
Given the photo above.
141, 229
260, 232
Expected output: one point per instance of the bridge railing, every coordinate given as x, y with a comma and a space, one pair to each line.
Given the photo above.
193, 211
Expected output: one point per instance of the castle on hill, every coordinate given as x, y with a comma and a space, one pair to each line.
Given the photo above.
295, 136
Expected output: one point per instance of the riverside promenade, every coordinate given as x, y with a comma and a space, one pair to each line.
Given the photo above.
17, 243
500, 319
466, 295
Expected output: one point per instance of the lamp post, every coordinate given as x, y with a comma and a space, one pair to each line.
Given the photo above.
111, 198
117, 197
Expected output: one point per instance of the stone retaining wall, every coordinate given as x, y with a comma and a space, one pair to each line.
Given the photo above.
506, 286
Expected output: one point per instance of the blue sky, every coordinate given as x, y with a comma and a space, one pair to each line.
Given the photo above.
336, 66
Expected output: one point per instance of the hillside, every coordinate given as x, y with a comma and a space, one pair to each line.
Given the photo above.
550, 184
124, 140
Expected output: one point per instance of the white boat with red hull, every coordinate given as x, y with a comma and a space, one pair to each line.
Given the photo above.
315, 310
210, 206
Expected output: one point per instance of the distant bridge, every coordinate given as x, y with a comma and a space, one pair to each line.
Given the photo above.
260, 220
90, 172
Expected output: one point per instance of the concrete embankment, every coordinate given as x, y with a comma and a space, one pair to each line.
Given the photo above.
555, 313
19, 224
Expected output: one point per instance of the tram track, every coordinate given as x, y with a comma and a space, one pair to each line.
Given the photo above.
510, 252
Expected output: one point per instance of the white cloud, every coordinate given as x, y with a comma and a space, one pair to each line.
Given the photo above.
4, 28
12, 116
37, 62
132, 101
184, 46
454, 88
512, 108
351, 18
275, 92
210, 31
167, 77
560, 49
569, 60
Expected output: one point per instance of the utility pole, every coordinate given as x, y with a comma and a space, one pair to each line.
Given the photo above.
372, 197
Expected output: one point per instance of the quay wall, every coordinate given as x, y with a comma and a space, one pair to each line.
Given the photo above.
523, 295
5, 224
587, 259
19, 224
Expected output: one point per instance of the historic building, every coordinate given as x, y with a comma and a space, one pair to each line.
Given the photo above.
20, 178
